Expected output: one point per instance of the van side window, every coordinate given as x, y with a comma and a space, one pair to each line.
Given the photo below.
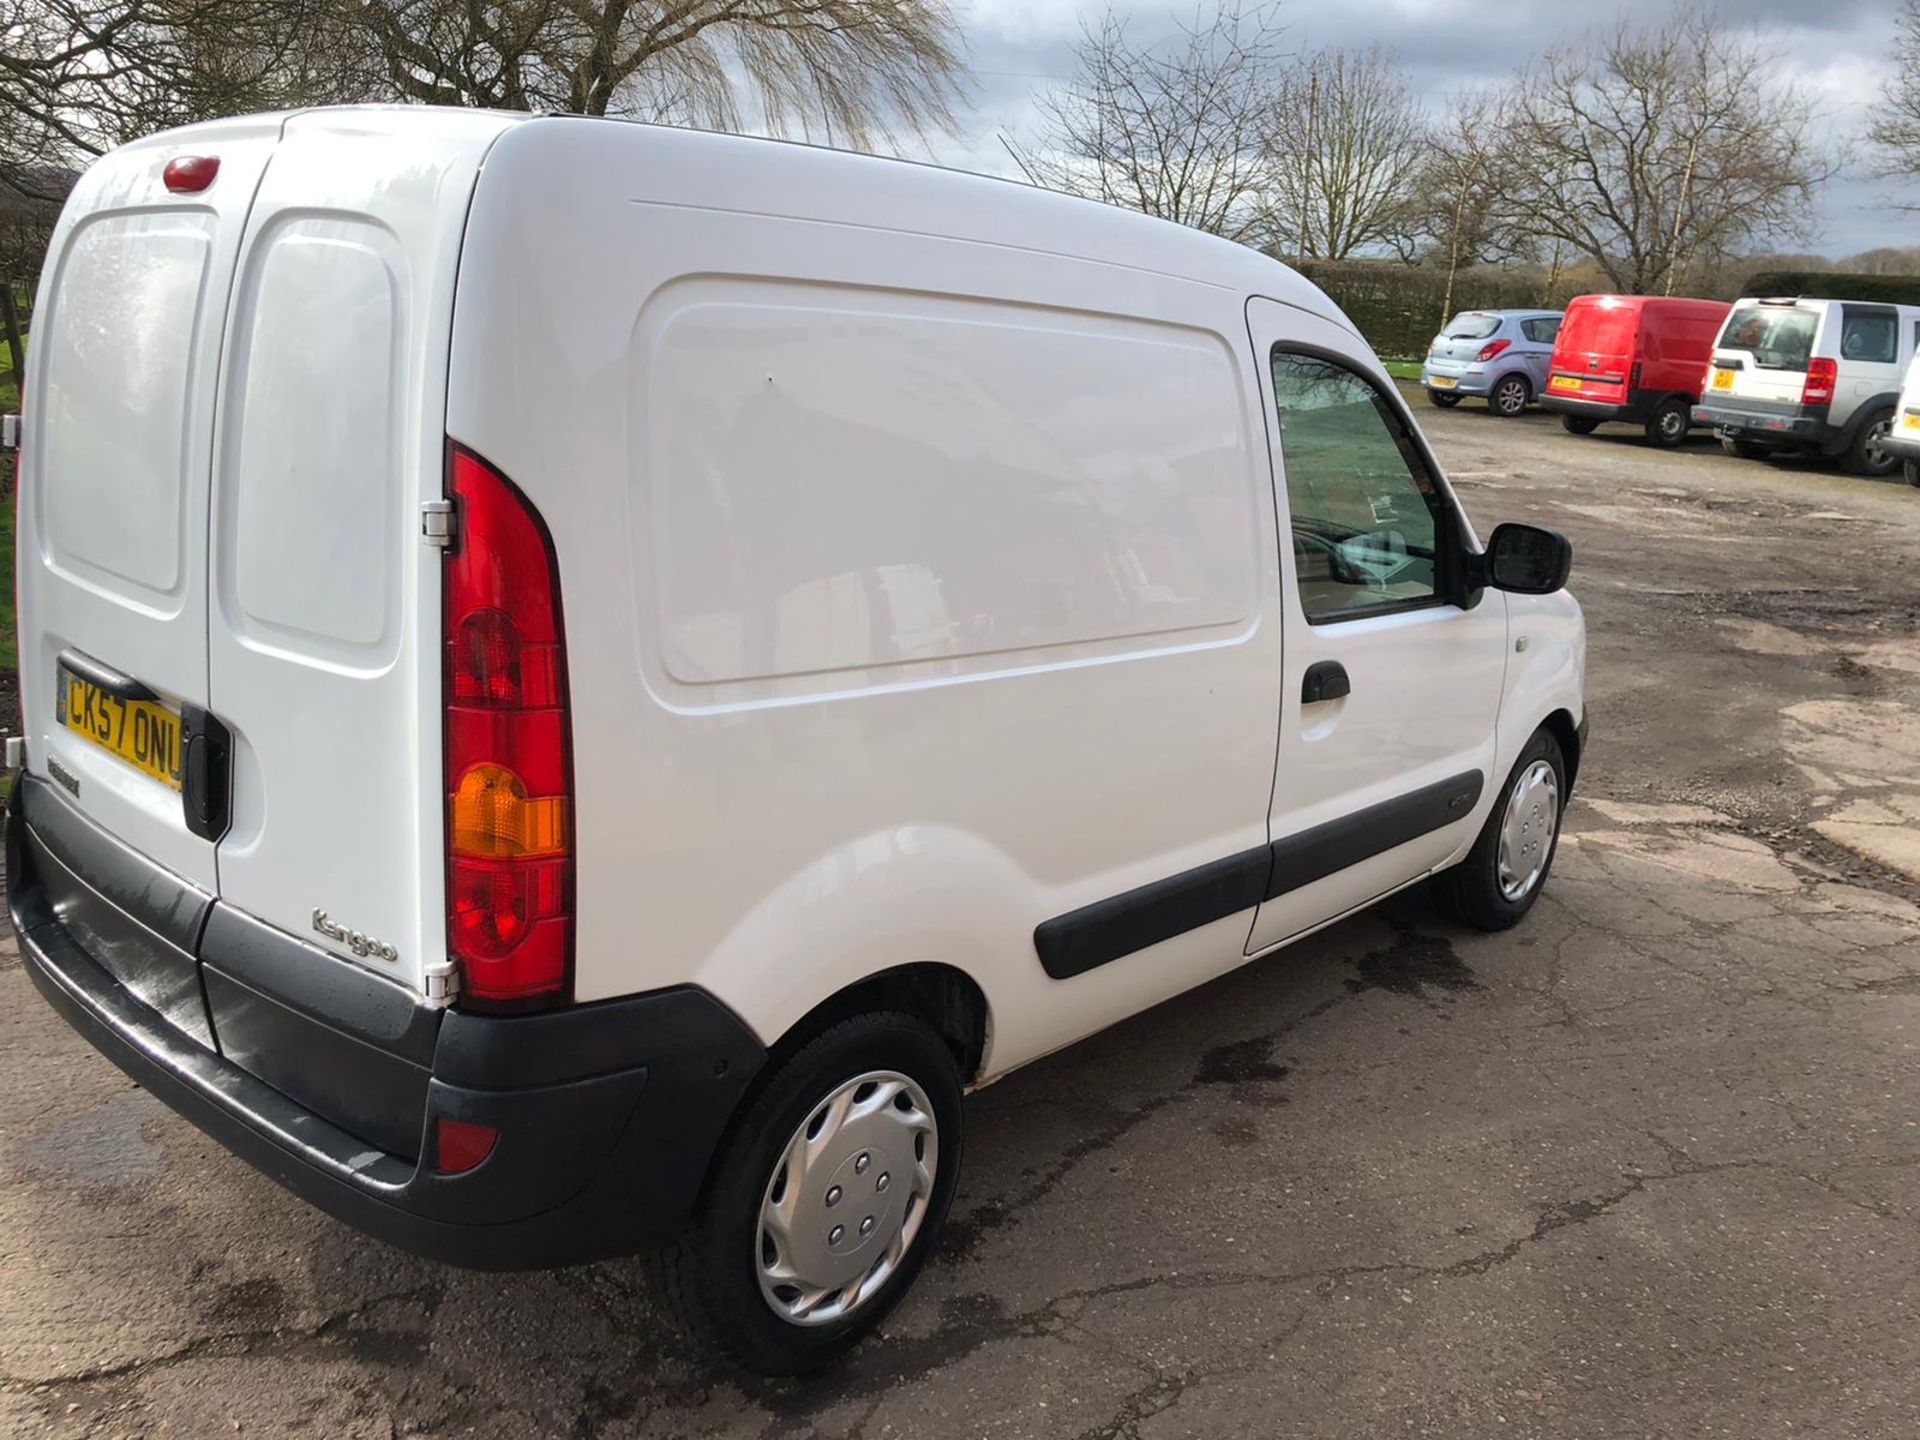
1367, 515
1870, 336
1541, 331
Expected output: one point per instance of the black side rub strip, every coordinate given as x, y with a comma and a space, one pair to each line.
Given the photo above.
1317, 853
1087, 938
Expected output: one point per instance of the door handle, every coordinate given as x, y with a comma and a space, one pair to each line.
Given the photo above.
103, 677
1324, 680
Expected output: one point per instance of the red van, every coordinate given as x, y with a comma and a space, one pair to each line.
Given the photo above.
1638, 358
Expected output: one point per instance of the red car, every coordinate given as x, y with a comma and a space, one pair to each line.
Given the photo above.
1637, 358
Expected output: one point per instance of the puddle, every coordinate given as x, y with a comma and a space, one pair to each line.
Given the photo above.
1412, 965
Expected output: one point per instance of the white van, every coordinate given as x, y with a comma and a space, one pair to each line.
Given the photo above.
1903, 437
1809, 376
583, 681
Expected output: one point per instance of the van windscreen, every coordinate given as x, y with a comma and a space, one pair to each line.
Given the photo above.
1779, 337
1470, 325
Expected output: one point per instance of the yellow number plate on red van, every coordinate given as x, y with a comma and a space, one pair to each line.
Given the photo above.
1564, 382
144, 733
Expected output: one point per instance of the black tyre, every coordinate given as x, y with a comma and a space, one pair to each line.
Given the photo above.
1868, 454
1506, 869
1913, 472
1509, 396
1667, 426
1746, 449
1579, 424
804, 1243
1442, 398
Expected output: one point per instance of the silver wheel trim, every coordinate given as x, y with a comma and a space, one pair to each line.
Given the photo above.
1673, 422
1527, 830
1510, 395
846, 1199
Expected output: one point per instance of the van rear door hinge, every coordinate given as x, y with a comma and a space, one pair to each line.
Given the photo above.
442, 983
437, 526
9, 432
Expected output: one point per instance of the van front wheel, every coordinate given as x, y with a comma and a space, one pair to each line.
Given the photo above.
1503, 874
826, 1198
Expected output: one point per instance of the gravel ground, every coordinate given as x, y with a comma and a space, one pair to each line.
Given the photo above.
1644, 1166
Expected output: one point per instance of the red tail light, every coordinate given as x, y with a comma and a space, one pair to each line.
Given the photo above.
509, 766
1491, 349
1821, 375
1633, 375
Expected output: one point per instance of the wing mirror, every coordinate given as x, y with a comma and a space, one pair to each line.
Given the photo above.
1527, 559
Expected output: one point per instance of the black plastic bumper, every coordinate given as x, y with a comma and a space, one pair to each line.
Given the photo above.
608, 1114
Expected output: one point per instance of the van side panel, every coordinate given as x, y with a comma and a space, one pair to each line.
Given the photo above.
920, 581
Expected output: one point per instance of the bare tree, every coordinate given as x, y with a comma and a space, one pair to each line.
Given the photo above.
1176, 129
78, 77
1345, 145
1651, 149
1896, 125
1458, 196
860, 68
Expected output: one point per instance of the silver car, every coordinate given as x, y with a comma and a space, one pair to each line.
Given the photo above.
1499, 354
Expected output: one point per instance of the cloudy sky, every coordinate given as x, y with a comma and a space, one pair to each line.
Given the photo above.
1836, 47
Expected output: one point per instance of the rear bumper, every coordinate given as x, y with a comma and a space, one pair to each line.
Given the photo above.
1798, 426
1636, 407
608, 1114
1903, 442
1456, 377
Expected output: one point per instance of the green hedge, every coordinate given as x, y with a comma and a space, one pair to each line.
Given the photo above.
1835, 285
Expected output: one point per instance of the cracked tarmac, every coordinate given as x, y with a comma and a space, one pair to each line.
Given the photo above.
1644, 1166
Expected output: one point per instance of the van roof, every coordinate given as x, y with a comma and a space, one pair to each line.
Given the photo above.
1641, 302
668, 164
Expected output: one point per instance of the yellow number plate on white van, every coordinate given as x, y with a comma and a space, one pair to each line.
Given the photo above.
144, 733
1722, 379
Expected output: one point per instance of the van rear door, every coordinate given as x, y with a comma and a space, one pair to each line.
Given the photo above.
324, 634
112, 566
1594, 352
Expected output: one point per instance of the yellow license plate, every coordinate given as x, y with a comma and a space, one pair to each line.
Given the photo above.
1564, 382
1443, 382
1911, 420
1722, 379
144, 733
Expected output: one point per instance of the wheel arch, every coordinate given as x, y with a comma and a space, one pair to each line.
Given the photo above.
945, 997
1560, 724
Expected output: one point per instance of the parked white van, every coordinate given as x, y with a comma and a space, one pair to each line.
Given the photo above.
583, 682
1807, 376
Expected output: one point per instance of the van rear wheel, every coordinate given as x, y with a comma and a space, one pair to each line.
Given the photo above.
1745, 449
1504, 872
825, 1200
1579, 424
1913, 472
1667, 426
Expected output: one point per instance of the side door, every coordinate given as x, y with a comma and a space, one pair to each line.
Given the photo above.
1391, 685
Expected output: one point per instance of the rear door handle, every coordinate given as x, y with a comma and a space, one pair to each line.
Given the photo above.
1325, 680
103, 677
